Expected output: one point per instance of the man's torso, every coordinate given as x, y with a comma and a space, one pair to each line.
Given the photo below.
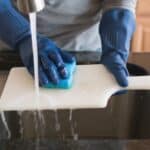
72, 24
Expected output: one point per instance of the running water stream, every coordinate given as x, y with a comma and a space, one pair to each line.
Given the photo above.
39, 114
33, 21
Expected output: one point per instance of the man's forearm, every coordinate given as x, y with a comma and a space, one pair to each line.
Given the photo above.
13, 27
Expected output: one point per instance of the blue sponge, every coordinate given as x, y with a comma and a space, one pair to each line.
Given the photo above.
65, 83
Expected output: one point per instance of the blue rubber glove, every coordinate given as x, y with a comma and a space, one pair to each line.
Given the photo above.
15, 31
116, 30
53, 62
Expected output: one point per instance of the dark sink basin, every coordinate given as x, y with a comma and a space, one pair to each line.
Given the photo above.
125, 119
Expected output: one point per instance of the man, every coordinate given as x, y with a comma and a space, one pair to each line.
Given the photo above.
73, 25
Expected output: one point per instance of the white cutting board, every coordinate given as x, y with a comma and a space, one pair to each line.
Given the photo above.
92, 88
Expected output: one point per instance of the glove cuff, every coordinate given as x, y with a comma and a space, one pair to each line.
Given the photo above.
116, 29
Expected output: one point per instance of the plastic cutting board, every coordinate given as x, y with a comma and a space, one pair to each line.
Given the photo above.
93, 86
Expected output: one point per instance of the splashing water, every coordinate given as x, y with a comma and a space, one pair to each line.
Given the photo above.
5, 124
21, 123
73, 125
57, 124
37, 131
70, 114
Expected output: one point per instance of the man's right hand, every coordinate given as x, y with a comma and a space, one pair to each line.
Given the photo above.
52, 60
15, 31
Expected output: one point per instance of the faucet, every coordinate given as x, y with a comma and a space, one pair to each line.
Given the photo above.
30, 6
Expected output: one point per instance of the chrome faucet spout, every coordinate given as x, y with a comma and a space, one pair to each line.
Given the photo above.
29, 6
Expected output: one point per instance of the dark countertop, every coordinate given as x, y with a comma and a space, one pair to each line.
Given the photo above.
10, 59
76, 145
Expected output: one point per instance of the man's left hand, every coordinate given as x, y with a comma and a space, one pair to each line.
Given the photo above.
116, 30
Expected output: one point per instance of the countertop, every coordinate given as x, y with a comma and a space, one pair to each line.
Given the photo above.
76, 145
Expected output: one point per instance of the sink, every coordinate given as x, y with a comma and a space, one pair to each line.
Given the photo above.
126, 117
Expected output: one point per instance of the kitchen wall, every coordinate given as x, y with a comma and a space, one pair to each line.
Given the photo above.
141, 39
